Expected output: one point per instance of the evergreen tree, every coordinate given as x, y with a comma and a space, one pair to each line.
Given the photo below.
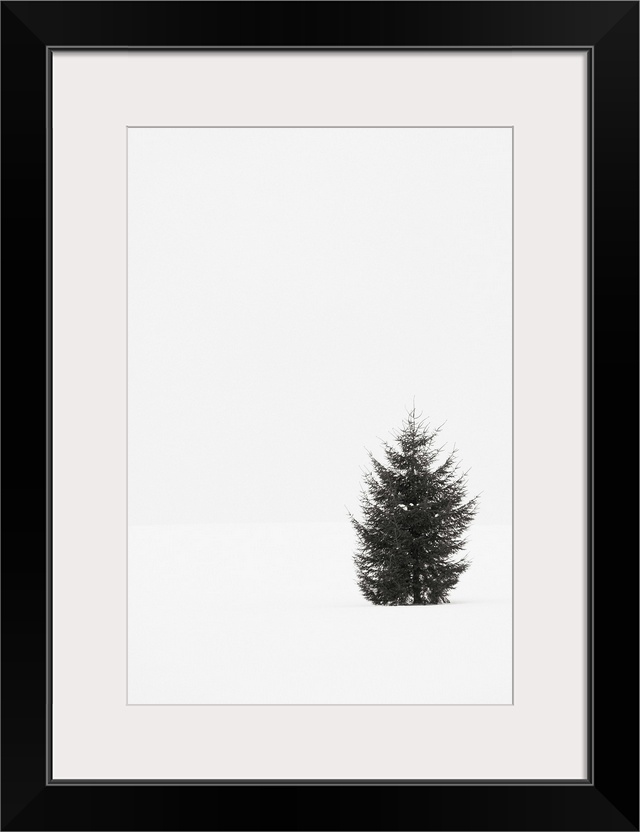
415, 514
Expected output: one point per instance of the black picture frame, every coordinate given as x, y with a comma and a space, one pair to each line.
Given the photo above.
608, 798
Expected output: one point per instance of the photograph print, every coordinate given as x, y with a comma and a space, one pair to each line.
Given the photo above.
319, 415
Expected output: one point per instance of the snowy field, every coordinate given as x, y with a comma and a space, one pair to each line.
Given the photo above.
271, 614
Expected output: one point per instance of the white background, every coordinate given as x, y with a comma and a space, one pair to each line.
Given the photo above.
95, 733
290, 292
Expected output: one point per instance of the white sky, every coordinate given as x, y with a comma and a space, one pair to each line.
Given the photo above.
291, 290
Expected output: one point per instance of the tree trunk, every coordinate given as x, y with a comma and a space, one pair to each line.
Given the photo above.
417, 593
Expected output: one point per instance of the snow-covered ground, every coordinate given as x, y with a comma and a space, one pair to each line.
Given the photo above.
271, 614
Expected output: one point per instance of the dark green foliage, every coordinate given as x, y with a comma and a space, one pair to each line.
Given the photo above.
415, 514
